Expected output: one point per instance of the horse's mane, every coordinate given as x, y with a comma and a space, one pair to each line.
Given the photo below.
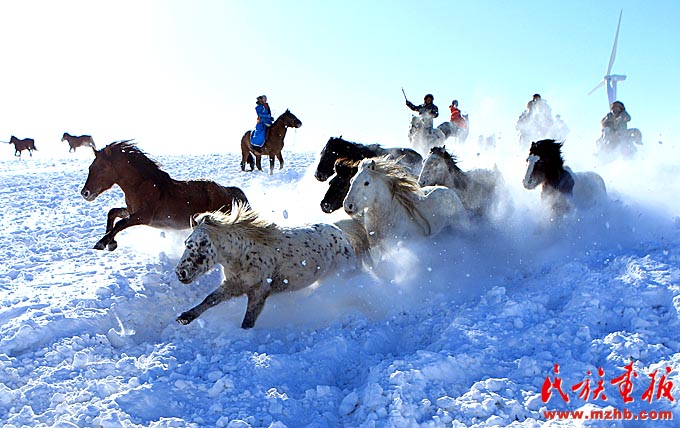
137, 158
403, 186
344, 167
242, 220
281, 116
451, 162
550, 152
351, 150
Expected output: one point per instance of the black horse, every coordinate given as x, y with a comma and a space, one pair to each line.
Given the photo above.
339, 185
337, 148
560, 186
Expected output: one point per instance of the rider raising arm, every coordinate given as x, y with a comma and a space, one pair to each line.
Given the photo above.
427, 106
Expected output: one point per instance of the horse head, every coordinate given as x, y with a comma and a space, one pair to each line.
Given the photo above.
436, 167
363, 188
339, 185
335, 148
103, 174
290, 120
544, 164
199, 254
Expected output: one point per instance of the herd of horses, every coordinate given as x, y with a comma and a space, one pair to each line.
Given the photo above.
388, 194
29, 143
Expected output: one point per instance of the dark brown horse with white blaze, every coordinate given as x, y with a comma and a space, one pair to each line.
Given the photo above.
152, 197
20, 145
273, 143
80, 141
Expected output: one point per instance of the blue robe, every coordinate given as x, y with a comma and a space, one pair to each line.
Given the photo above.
264, 120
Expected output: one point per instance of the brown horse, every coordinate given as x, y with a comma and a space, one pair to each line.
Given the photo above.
75, 142
152, 197
25, 144
273, 143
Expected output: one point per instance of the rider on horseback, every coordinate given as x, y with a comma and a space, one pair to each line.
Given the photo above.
616, 136
427, 111
615, 123
264, 121
536, 122
456, 118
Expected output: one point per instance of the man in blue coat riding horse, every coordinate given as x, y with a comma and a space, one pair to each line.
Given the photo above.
264, 121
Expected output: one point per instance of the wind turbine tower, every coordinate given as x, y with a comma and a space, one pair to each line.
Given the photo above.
611, 79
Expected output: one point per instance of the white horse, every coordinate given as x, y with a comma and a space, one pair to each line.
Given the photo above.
259, 258
392, 205
423, 137
477, 189
561, 187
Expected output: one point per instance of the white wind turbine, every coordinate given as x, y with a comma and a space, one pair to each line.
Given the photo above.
611, 79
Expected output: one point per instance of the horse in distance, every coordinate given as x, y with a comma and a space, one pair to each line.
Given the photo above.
273, 144
562, 188
260, 258
79, 141
422, 138
22, 144
152, 197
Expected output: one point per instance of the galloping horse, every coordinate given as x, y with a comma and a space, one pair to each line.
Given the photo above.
338, 186
451, 130
75, 142
337, 148
259, 258
612, 145
152, 197
422, 137
273, 143
20, 145
562, 187
476, 188
392, 204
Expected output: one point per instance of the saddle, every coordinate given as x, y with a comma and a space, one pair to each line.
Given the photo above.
258, 149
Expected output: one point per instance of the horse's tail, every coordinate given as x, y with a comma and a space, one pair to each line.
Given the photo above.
358, 237
251, 160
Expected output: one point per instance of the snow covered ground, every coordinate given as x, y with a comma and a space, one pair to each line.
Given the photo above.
453, 331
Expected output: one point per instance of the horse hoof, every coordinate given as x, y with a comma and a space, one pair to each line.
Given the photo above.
99, 246
183, 319
112, 246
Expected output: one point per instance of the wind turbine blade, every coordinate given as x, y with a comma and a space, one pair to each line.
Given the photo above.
616, 41
599, 85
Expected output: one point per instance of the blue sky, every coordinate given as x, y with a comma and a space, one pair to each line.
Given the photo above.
180, 76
